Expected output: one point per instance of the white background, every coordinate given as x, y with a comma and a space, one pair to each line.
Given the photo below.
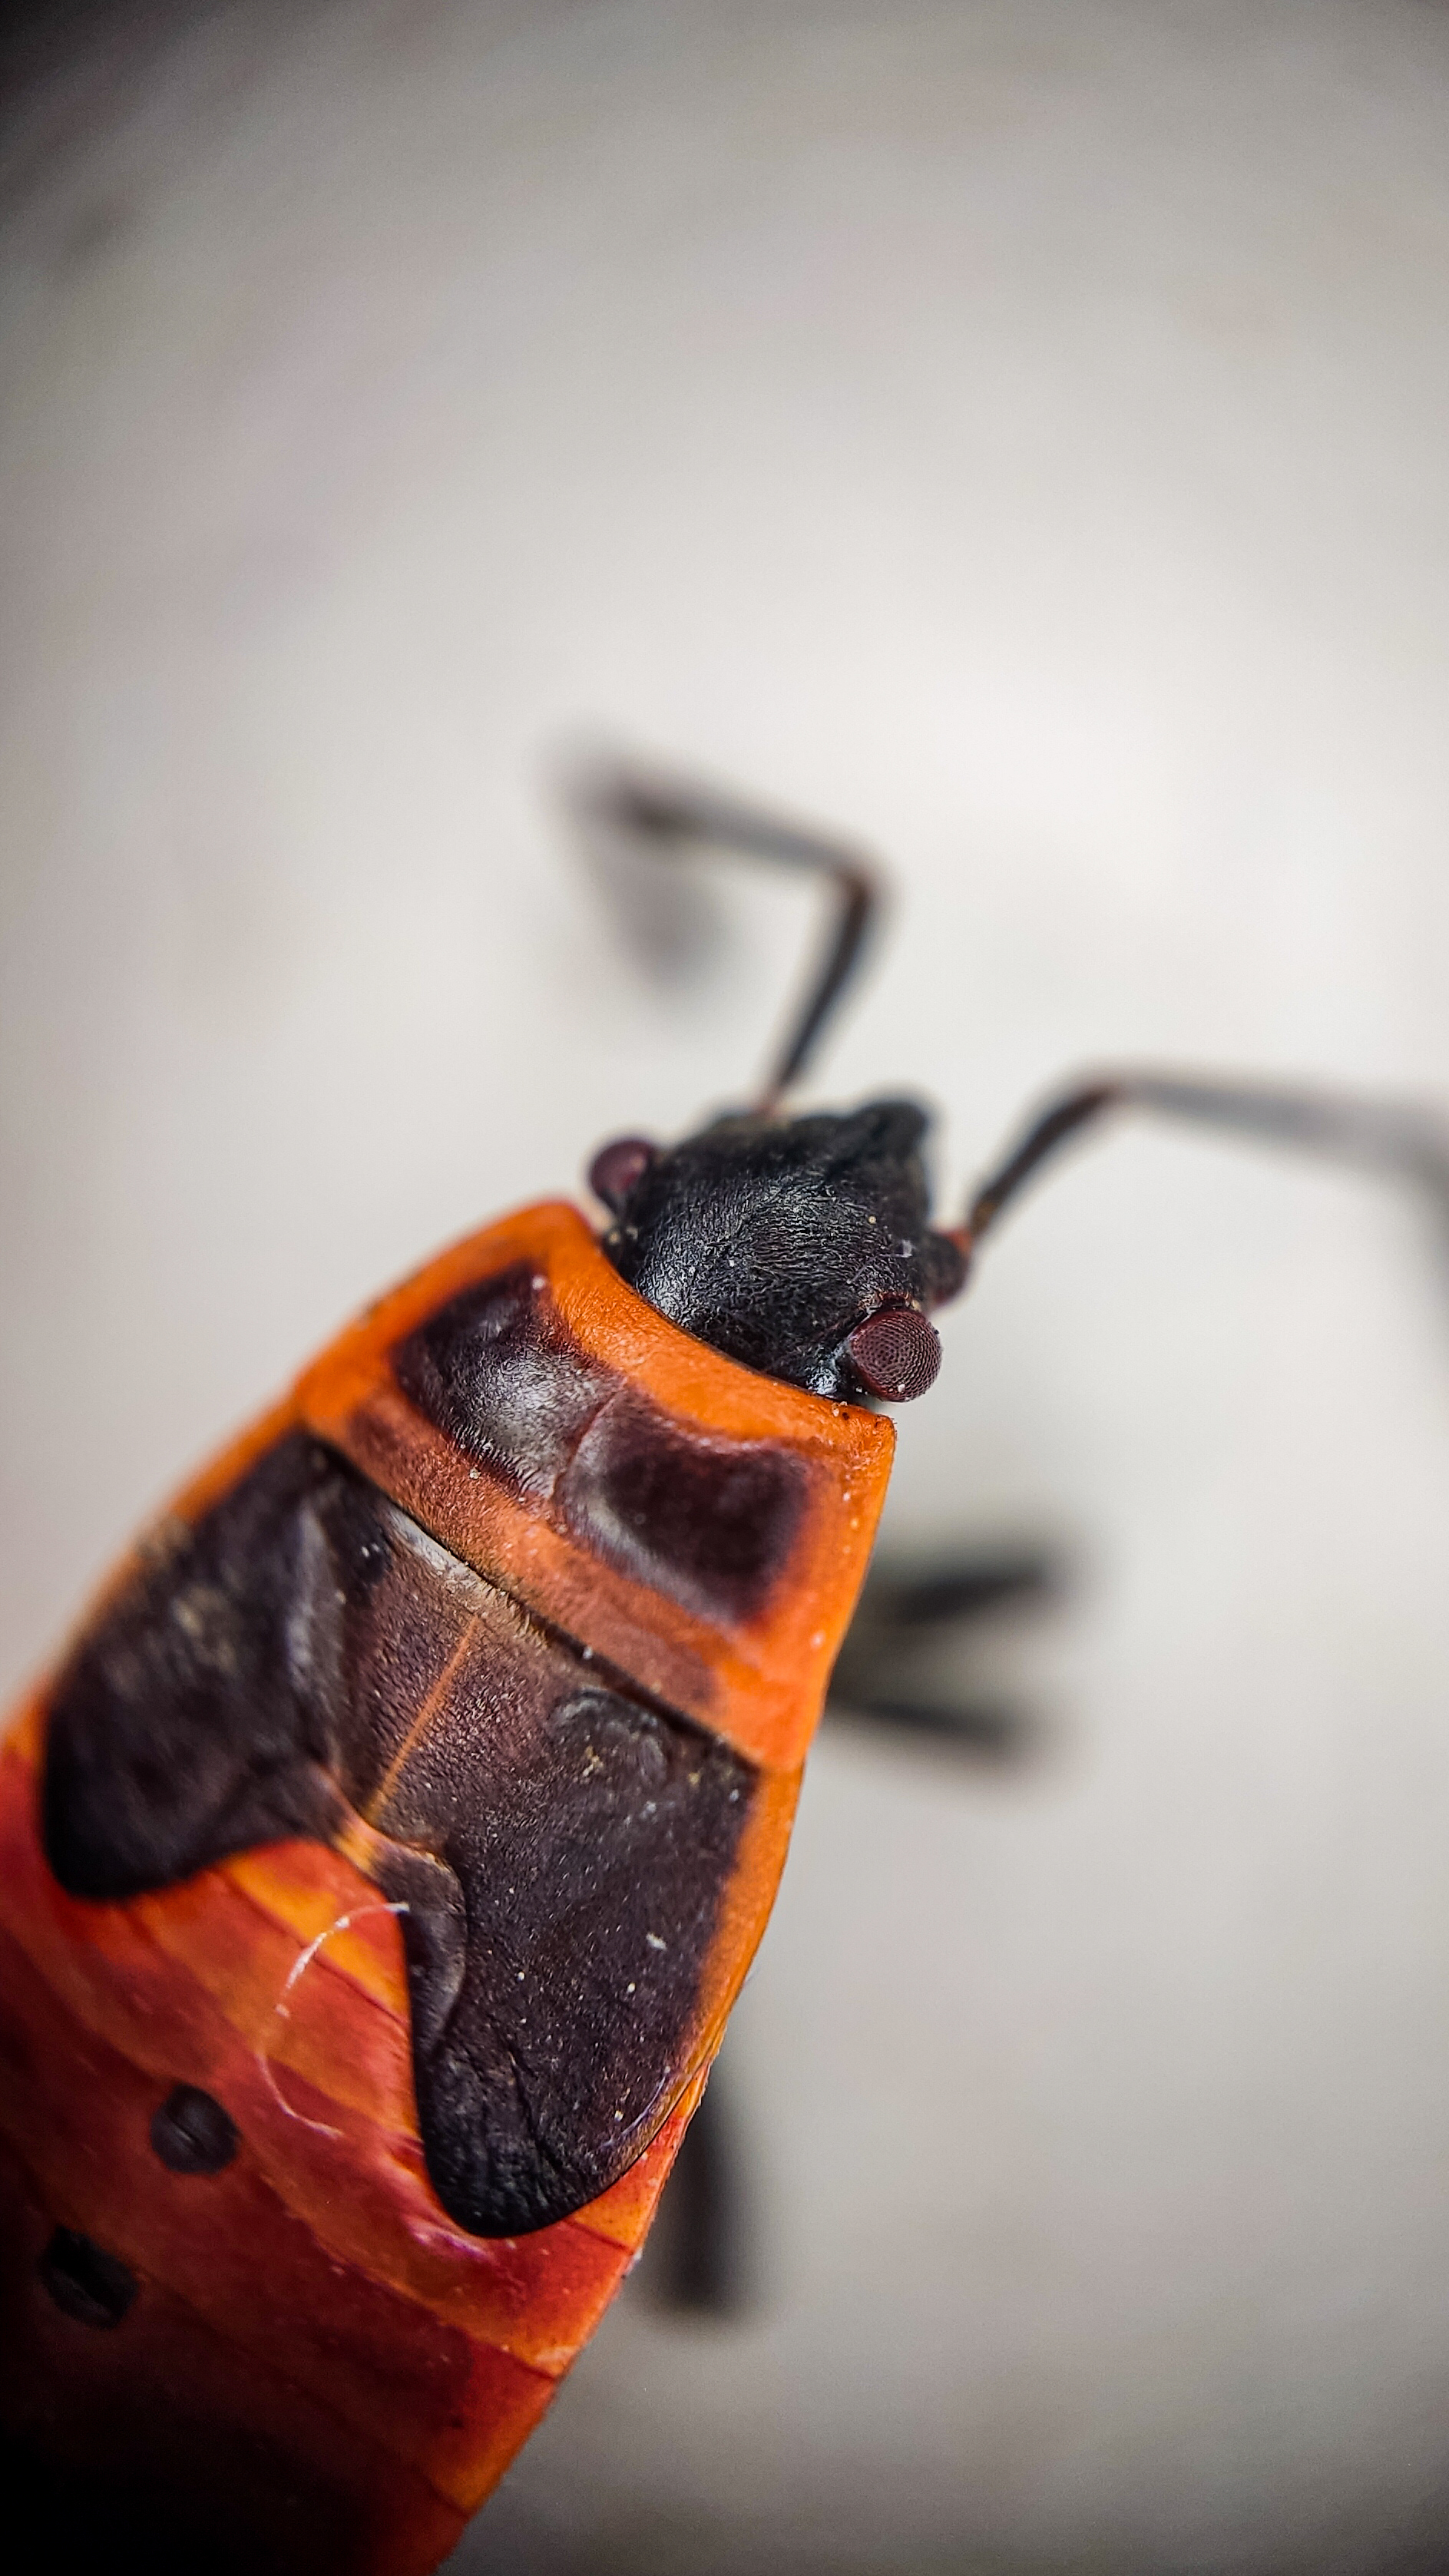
1015, 433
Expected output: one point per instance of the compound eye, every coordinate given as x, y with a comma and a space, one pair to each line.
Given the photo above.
896, 1352
617, 1168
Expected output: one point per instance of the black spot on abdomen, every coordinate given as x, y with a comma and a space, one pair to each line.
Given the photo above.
87, 2283
192, 2134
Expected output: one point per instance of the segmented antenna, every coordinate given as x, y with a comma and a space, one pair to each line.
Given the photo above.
665, 815
1398, 1139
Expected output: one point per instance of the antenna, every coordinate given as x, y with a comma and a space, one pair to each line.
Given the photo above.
665, 815
1398, 1139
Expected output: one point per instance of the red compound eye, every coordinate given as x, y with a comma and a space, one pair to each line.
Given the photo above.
615, 1169
896, 1353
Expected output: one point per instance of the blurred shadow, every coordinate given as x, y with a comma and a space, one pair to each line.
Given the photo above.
668, 922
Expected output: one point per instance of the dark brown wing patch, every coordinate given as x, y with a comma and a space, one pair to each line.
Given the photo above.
592, 1837
307, 1655
191, 1721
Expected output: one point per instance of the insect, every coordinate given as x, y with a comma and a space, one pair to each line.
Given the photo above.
380, 1866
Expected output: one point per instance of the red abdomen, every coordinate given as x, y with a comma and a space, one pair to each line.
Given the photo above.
376, 1877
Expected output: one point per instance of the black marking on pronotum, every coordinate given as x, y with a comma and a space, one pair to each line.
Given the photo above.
561, 1845
192, 2134
706, 1520
87, 2283
498, 1369
710, 1523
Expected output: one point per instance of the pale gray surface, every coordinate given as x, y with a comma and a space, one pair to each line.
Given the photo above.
1016, 432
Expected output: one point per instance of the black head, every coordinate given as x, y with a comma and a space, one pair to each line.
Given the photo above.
802, 1247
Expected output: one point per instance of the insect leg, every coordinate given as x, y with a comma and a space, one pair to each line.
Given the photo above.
664, 814
905, 1618
700, 2258
1399, 1139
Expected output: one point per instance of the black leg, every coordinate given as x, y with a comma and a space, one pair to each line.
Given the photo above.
658, 813
906, 1615
698, 2260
